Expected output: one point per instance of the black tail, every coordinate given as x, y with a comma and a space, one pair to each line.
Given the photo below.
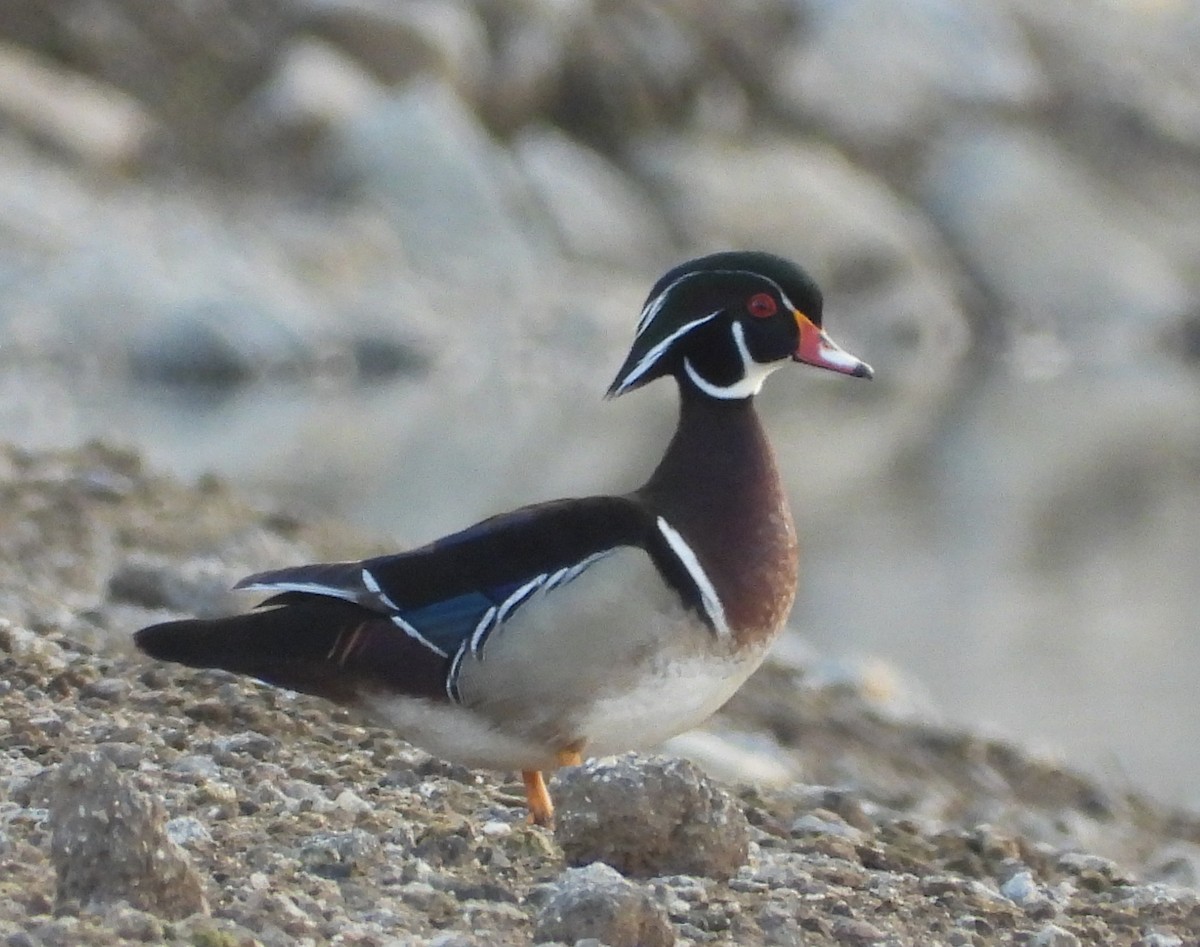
314, 644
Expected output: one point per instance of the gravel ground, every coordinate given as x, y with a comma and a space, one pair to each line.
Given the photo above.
142, 803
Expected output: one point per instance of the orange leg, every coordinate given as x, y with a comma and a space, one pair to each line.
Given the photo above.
541, 809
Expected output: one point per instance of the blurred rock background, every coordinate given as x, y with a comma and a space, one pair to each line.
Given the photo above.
380, 258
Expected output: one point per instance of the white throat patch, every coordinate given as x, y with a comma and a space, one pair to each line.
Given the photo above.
753, 373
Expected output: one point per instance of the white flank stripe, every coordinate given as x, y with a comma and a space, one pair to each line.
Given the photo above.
554, 579
486, 624
576, 570
452, 675
518, 597
412, 632
708, 594
656, 353
372, 586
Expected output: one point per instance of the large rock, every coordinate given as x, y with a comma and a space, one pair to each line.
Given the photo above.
598, 212
1134, 67
880, 73
314, 87
199, 587
397, 41
109, 843
649, 817
188, 62
219, 342
596, 902
73, 113
449, 190
1051, 243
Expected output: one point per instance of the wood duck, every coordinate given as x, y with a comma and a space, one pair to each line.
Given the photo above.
575, 627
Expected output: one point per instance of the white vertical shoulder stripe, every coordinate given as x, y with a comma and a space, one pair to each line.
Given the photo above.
372, 585
708, 594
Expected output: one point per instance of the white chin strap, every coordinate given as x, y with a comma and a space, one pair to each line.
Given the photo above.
753, 373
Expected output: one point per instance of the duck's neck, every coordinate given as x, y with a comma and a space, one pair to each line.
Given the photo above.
718, 486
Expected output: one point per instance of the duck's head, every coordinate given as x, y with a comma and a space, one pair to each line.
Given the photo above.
721, 323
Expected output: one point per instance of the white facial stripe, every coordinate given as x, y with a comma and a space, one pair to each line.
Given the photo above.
753, 373
656, 353
708, 595
739, 339
653, 307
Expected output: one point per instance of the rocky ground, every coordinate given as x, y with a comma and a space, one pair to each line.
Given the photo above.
142, 803
383, 258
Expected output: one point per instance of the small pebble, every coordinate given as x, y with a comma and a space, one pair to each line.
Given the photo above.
1054, 936
813, 824
1154, 939
349, 801
339, 855
497, 829
112, 689
1020, 888
852, 930
196, 765
187, 830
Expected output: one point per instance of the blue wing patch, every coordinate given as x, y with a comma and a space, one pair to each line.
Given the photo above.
451, 626
451, 595
451, 622
462, 625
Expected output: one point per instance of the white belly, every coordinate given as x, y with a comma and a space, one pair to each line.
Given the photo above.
608, 663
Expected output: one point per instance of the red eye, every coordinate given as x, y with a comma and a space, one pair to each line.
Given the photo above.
762, 305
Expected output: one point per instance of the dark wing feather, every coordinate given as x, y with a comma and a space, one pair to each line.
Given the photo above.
458, 589
398, 623
316, 645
